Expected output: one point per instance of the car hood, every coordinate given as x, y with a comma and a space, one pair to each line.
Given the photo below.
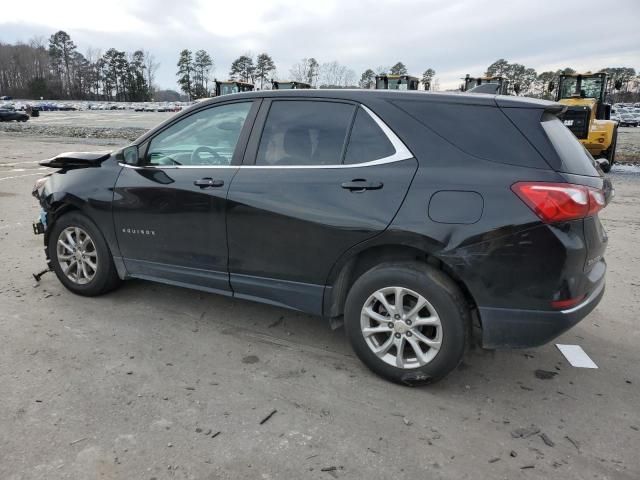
76, 160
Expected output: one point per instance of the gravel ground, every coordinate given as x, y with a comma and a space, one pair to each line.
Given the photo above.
138, 383
129, 125
628, 148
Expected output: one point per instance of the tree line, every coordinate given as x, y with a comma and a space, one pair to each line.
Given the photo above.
529, 83
54, 68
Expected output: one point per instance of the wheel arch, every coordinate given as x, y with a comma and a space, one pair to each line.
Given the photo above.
363, 257
67, 203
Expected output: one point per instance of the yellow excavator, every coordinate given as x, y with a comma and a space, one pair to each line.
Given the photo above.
492, 85
287, 85
232, 86
396, 82
587, 114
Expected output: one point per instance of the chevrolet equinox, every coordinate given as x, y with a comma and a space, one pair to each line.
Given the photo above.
417, 220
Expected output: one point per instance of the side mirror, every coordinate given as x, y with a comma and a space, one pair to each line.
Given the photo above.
551, 87
618, 84
130, 155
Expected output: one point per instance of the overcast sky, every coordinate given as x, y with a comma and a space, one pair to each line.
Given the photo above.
453, 37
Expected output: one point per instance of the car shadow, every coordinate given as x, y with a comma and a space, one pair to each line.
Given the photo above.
513, 370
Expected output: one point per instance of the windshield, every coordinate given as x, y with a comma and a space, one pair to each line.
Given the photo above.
228, 89
590, 87
392, 83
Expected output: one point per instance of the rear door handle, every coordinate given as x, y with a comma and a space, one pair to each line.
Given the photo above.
360, 185
208, 182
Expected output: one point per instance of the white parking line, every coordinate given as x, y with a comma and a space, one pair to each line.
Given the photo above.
20, 176
13, 164
25, 169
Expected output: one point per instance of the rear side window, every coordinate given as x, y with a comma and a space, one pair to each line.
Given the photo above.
303, 132
367, 141
479, 130
574, 158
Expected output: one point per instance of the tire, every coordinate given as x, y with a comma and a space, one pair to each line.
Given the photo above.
445, 305
611, 152
99, 275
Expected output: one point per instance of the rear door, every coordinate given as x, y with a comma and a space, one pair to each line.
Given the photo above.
318, 177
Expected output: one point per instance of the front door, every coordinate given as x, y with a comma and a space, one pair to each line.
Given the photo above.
325, 176
169, 211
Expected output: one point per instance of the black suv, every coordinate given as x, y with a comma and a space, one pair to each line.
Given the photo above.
415, 219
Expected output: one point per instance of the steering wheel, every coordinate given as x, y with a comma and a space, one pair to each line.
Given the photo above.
216, 160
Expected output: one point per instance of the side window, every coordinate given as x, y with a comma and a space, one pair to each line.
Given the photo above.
302, 132
367, 142
208, 137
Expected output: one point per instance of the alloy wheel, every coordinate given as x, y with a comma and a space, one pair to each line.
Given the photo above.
77, 255
401, 327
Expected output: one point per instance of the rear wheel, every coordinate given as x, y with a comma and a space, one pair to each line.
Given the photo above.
80, 256
407, 322
611, 151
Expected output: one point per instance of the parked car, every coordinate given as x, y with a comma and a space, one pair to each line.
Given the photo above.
9, 115
628, 120
387, 211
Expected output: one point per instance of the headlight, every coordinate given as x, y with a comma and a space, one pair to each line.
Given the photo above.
38, 186
39, 183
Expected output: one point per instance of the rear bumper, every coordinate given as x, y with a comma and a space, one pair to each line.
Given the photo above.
513, 328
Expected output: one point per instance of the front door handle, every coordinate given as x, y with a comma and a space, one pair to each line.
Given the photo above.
208, 182
360, 185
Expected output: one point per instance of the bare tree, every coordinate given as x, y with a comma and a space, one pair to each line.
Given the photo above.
299, 72
151, 66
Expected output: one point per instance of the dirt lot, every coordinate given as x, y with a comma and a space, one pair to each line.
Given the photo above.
137, 384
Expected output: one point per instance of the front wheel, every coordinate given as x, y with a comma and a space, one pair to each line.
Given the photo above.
80, 256
407, 322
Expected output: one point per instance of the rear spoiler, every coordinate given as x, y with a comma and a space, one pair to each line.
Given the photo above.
76, 160
556, 108
506, 101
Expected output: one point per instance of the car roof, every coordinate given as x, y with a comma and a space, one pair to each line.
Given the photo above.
364, 95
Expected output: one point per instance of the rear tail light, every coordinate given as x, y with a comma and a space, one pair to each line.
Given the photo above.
560, 202
569, 303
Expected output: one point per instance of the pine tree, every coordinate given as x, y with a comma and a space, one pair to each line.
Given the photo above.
242, 69
427, 78
185, 72
61, 50
367, 79
398, 69
202, 65
264, 67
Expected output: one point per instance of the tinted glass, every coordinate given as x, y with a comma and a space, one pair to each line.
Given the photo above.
574, 157
208, 137
367, 142
481, 131
304, 133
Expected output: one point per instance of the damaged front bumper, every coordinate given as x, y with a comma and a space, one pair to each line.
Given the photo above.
40, 225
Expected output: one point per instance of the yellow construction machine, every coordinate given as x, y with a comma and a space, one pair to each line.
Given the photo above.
396, 82
492, 85
587, 114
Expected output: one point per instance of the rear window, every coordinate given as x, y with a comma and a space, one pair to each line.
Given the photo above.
367, 142
479, 130
574, 158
